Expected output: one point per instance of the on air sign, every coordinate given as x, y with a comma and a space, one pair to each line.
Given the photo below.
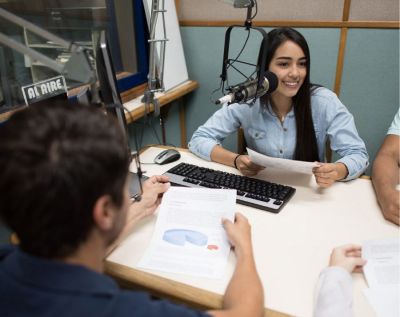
44, 89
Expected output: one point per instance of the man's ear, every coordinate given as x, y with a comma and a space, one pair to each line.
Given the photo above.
104, 213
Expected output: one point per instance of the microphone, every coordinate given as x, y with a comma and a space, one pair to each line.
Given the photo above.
248, 90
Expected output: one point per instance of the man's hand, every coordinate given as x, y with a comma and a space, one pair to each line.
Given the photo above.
328, 173
244, 295
246, 166
153, 188
390, 205
239, 233
386, 176
348, 257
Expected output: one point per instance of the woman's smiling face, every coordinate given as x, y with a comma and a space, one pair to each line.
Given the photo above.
289, 63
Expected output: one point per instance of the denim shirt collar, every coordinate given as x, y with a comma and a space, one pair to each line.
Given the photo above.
271, 112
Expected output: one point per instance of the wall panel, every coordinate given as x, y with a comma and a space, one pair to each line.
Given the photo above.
370, 83
268, 10
373, 10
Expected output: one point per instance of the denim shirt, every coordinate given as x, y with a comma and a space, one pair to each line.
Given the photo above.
265, 133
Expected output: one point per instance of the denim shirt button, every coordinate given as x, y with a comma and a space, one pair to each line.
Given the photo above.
280, 151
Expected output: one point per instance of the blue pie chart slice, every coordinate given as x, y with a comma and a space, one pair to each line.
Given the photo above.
180, 236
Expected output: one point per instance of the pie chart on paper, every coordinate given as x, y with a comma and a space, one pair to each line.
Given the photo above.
181, 236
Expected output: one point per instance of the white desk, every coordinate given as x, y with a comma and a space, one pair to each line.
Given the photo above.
291, 247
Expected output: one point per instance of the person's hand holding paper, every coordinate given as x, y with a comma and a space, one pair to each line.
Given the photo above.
246, 166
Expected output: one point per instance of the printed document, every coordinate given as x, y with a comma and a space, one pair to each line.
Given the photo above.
189, 237
382, 272
279, 163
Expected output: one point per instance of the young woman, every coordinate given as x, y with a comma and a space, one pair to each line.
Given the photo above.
294, 122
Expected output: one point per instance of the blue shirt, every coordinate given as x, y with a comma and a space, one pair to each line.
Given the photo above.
265, 133
32, 286
395, 126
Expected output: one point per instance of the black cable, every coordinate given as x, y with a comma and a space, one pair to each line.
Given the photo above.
148, 123
222, 83
155, 133
247, 78
242, 49
255, 2
220, 88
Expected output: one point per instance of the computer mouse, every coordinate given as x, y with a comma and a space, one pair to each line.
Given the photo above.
167, 156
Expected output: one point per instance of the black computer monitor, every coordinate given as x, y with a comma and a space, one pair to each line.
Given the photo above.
111, 98
108, 82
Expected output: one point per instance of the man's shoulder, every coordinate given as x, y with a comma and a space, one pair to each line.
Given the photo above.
6, 250
140, 304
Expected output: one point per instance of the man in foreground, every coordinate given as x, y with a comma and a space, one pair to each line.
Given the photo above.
64, 192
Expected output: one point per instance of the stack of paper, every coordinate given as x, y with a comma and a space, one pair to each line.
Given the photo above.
382, 272
189, 237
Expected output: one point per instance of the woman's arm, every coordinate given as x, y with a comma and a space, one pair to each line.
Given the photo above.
221, 124
239, 161
344, 138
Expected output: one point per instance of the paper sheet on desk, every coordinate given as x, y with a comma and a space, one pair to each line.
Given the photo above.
188, 237
279, 163
384, 301
382, 272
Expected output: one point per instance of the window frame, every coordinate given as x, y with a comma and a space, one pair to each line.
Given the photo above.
142, 46
141, 34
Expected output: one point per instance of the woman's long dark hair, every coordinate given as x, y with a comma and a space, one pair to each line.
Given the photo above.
306, 143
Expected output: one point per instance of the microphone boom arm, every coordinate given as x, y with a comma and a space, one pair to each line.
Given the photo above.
262, 56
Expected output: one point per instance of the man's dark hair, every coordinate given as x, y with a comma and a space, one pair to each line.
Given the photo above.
306, 142
56, 161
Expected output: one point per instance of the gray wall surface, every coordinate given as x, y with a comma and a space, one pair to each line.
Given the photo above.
306, 10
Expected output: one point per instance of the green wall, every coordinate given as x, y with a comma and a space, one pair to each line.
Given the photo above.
370, 82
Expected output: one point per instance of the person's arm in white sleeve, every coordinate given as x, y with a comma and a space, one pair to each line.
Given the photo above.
334, 291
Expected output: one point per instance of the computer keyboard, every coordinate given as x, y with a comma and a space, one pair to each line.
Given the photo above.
250, 191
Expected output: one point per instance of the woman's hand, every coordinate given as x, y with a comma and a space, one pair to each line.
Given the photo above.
328, 173
246, 166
